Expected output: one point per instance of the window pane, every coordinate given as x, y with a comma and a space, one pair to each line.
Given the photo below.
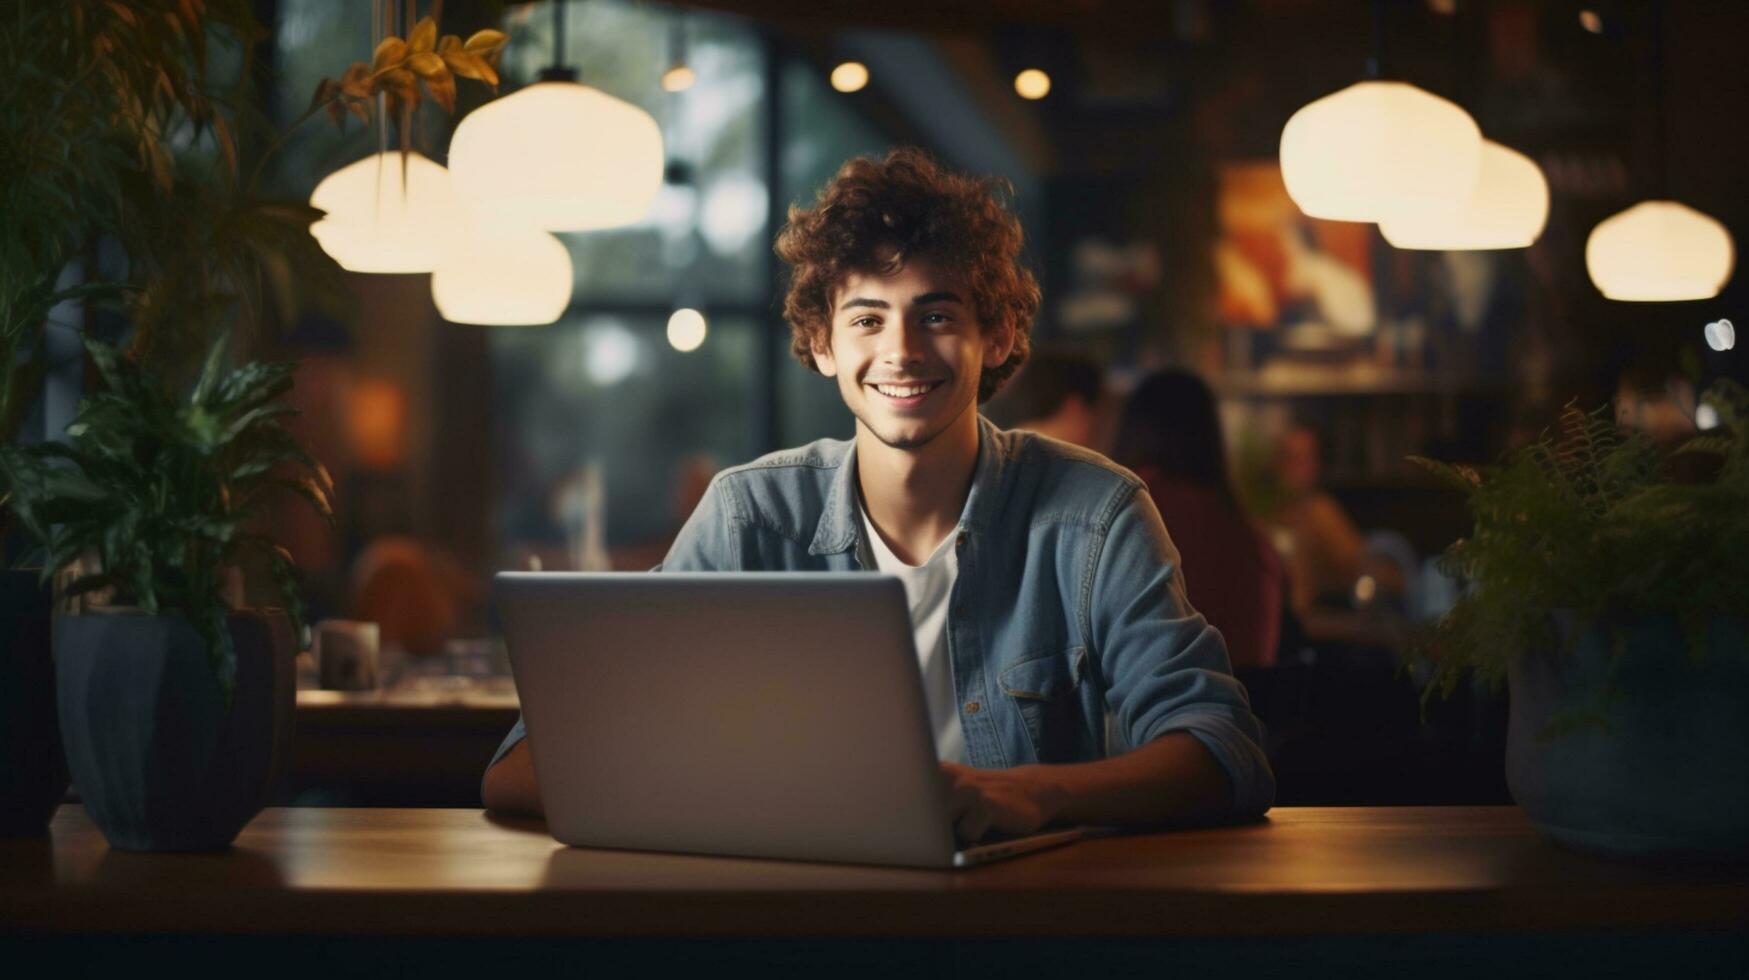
602, 422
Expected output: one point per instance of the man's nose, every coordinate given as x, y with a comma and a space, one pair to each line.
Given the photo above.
901, 343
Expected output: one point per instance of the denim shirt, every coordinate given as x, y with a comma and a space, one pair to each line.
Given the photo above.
1069, 634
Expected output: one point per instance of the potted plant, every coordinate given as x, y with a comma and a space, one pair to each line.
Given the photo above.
133, 163
122, 123
175, 708
1605, 584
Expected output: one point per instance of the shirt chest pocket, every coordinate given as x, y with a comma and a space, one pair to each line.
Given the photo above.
1045, 689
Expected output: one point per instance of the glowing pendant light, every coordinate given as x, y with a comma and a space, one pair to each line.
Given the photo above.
558, 155
1378, 148
377, 223
1659, 251
1509, 209
503, 275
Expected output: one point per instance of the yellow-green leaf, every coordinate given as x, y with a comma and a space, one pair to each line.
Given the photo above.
427, 64
442, 89
449, 43
469, 65
486, 43
355, 82
392, 51
424, 36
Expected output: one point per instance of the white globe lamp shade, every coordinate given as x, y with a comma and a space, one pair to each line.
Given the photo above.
1659, 251
504, 276
1509, 209
1376, 148
375, 222
558, 156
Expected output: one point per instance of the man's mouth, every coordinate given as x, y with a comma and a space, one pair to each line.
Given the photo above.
905, 391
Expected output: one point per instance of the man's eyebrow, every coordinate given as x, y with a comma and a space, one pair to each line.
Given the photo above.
879, 304
938, 296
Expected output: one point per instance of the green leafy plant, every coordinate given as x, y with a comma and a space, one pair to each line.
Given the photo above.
118, 139
1589, 521
163, 486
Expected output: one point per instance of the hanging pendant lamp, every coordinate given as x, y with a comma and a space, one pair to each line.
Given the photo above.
378, 222
1659, 251
1378, 147
558, 155
504, 275
1509, 209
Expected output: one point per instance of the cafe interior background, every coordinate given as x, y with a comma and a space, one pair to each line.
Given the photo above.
1144, 145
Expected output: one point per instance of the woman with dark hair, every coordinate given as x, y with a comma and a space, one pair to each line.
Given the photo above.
1170, 436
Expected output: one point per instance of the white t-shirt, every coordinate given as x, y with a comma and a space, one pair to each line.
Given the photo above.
927, 590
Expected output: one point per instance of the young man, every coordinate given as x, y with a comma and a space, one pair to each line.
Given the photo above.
1067, 677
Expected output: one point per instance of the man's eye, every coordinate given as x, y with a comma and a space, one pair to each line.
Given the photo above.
936, 319
865, 321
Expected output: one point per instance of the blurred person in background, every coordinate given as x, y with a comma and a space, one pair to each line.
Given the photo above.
1328, 555
1170, 435
1057, 395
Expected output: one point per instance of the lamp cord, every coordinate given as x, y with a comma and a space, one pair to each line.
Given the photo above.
558, 72
1375, 65
1660, 120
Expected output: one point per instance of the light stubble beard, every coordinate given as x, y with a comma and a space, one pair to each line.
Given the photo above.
919, 441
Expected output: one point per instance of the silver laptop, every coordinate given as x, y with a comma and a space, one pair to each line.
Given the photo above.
776, 715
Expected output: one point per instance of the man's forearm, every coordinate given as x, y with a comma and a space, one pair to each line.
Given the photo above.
509, 786
1171, 780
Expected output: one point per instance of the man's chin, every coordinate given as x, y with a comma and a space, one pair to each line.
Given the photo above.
904, 438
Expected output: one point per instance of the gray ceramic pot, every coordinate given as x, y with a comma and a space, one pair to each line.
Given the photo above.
33, 773
1668, 775
159, 760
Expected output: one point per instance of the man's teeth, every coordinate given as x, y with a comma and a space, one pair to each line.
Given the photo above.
903, 391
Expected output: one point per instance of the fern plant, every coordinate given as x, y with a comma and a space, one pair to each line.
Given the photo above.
1587, 521
164, 489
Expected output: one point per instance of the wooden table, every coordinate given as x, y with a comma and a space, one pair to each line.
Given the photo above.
417, 744
1480, 874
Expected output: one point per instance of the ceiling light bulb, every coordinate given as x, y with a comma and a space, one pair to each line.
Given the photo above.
850, 76
1378, 148
678, 79
1032, 84
1659, 251
1720, 335
558, 156
686, 330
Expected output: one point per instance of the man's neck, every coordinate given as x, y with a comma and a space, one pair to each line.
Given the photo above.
914, 496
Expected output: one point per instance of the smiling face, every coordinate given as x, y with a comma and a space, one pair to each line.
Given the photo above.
907, 351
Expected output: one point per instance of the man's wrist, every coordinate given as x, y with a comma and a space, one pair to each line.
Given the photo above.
1048, 792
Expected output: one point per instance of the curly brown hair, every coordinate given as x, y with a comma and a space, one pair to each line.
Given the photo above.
876, 214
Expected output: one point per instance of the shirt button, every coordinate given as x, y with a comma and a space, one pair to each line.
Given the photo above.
960, 541
973, 707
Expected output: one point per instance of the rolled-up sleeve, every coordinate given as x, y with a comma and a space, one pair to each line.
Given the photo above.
1166, 668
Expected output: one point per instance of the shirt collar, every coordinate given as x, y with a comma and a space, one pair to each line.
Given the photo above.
837, 529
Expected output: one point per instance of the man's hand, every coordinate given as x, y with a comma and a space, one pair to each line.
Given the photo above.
1008, 801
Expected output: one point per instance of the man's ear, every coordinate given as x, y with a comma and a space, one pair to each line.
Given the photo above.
998, 345
821, 347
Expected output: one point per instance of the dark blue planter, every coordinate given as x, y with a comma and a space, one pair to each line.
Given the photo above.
158, 759
1669, 776
33, 773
